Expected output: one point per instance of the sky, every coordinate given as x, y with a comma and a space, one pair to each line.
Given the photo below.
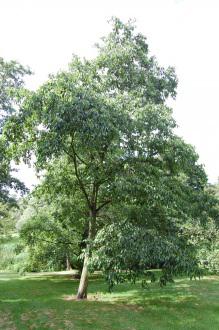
44, 34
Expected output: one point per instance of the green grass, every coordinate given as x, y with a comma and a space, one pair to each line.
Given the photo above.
45, 302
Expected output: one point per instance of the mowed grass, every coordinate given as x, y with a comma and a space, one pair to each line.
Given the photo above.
47, 302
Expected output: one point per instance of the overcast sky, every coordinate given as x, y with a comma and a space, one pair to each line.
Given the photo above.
182, 33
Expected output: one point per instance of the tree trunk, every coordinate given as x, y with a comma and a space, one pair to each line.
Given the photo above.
68, 265
82, 290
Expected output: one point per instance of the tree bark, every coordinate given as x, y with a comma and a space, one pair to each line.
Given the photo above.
82, 290
68, 264
83, 285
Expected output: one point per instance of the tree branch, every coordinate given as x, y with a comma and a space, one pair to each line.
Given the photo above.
103, 204
74, 158
81, 160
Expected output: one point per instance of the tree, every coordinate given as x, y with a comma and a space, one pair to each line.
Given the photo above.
107, 117
11, 93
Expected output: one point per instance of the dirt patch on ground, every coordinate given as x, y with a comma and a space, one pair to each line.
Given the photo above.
51, 320
69, 297
6, 321
74, 298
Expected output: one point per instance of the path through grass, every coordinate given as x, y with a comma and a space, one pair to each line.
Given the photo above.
45, 302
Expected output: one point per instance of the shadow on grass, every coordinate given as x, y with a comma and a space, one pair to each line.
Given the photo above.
52, 287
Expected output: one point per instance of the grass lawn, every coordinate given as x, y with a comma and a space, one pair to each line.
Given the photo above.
45, 302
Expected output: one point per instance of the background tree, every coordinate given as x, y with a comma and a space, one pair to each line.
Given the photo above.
11, 94
52, 242
52, 223
11, 87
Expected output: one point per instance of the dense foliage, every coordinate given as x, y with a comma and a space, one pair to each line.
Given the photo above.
11, 94
47, 230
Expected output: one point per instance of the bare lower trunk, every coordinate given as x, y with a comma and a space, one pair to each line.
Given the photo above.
82, 290
68, 265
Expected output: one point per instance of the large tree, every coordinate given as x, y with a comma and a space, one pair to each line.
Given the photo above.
107, 117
